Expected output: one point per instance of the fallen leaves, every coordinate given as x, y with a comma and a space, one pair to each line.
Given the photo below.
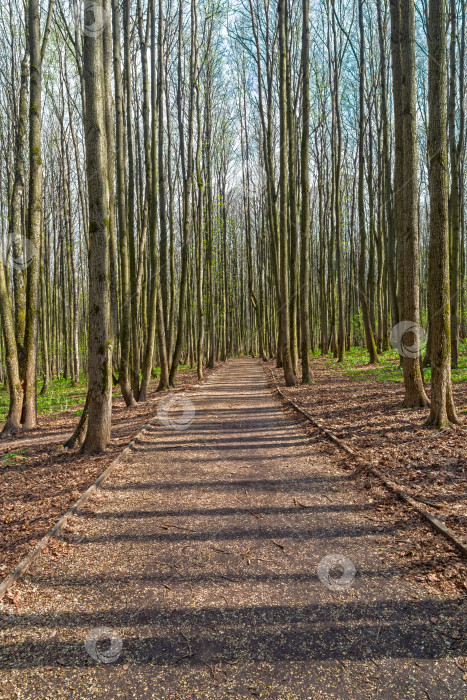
40, 483
430, 465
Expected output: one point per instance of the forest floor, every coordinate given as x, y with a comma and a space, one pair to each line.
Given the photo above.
40, 480
205, 556
361, 405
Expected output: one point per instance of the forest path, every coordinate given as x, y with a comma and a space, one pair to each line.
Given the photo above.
201, 552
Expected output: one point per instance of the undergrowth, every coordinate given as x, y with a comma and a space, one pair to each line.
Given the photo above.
62, 396
388, 369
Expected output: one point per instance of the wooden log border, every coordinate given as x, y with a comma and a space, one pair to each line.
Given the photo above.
435, 523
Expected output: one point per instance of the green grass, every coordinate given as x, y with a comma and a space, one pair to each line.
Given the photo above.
62, 396
356, 365
11, 457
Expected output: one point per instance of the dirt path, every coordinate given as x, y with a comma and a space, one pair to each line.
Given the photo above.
202, 554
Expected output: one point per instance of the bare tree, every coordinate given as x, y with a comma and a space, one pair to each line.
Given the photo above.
100, 337
442, 410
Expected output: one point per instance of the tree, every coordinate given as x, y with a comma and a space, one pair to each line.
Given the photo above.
15, 227
406, 188
387, 190
187, 173
13, 327
125, 321
442, 410
284, 337
100, 338
12, 424
370, 339
29, 417
305, 198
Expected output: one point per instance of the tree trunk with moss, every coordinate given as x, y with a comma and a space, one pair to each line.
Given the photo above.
100, 338
284, 332
387, 191
369, 336
305, 199
398, 150
15, 227
135, 286
12, 424
442, 410
14, 326
415, 395
455, 194
109, 125
161, 277
29, 417
187, 175
125, 320
292, 200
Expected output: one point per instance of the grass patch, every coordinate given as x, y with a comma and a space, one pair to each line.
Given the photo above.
388, 369
11, 457
62, 396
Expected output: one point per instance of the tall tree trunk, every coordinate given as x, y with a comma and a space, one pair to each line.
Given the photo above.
442, 410
44, 329
109, 123
15, 228
335, 68
163, 259
156, 313
170, 180
14, 327
398, 143
369, 336
454, 199
125, 320
134, 281
415, 395
149, 209
305, 198
187, 172
323, 313
461, 157
284, 332
226, 347
12, 424
371, 280
292, 200
245, 142
209, 206
387, 184
29, 416
100, 337
199, 247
